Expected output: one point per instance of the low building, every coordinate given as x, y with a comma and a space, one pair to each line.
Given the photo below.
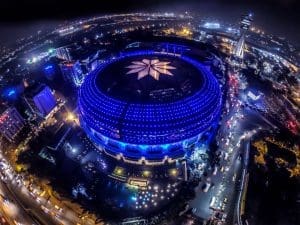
40, 100
11, 123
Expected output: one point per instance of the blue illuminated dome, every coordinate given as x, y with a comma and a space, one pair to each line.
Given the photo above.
148, 107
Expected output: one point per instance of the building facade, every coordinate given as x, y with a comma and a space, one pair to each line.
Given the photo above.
72, 73
63, 53
11, 123
40, 100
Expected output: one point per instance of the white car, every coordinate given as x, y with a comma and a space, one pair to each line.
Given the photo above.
215, 170
206, 187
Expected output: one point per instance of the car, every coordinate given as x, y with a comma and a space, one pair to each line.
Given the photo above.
225, 200
206, 187
45, 209
3, 221
222, 169
234, 177
239, 156
215, 170
226, 155
227, 142
17, 223
223, 207
224, 217
212, 201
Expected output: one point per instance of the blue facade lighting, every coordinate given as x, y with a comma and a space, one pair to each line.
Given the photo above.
150, 130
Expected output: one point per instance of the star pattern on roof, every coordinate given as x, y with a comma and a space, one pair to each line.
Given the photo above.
149, 67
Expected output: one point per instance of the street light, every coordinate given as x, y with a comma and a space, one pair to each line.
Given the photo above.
70, 116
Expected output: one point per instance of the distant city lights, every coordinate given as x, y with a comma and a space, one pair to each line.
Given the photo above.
212, 25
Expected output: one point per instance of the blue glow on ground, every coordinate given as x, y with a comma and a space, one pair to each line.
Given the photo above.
49, 71
49, 67
11, 92
133, 198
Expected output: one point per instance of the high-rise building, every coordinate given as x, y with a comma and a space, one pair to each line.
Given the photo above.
73, 73
239, 48
11, 123
40, 100
63, 53
245, 25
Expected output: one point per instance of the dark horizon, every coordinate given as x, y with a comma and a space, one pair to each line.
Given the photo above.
278, 17
14, 10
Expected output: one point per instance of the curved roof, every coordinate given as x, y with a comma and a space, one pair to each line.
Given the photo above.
149, 123
149, 79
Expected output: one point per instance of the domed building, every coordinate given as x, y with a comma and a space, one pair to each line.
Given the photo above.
147, 107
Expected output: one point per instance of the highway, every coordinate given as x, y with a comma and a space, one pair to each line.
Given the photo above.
10, 208
242, 182
27, 207
238, 125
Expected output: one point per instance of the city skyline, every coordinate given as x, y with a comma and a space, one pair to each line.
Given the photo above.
34, 13
162, 116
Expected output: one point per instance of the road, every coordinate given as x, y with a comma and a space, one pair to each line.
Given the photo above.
239, 124
29, 207
242, 182
11, 209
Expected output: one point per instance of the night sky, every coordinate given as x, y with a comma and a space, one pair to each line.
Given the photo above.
18, 17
